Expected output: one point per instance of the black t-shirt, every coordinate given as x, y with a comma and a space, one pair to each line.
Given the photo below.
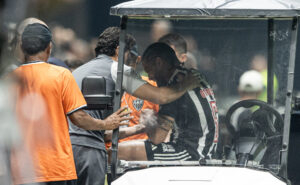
196, 120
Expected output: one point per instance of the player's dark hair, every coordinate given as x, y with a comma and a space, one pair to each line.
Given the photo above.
108, 41
35, 38
176, 40
161, 50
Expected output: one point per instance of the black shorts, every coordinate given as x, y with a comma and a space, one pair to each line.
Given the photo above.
167, 152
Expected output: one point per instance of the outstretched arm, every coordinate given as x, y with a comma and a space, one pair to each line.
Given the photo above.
133, 84
85, 121
164, 95
159, 95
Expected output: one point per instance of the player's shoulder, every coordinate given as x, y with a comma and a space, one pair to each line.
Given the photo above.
58, 69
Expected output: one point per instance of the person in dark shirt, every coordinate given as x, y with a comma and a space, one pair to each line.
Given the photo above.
193, 117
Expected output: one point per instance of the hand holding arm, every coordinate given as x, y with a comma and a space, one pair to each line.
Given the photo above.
157, 127
192, 80
85, 121
146, 122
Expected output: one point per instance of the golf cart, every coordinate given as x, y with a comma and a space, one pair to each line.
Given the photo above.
223, 37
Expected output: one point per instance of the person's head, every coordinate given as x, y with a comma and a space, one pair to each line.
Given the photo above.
178, 43
191, 61
132, 57
108, 42
36, 41
16, 42
160, 28
250, 85
159, 61
259, 63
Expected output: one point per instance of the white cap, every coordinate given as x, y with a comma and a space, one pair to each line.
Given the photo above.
251, 81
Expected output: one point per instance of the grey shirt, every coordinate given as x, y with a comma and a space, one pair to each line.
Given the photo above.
131, 80
102, 65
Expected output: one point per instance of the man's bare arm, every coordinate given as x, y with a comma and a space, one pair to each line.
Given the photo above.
158, 95
164, 95
125, 132
85, 121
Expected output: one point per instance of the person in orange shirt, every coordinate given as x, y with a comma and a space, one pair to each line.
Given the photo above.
46, 95
136, 105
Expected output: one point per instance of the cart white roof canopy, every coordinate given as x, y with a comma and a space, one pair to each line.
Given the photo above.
208, 8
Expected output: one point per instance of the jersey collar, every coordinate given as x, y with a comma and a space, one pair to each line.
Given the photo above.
32, 62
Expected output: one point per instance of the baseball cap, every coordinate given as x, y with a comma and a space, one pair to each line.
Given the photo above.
251, 81
37, 31
134, 50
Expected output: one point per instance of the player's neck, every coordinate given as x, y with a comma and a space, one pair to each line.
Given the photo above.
114, 58
42, 56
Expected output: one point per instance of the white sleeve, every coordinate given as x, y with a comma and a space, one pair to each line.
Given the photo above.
131, 80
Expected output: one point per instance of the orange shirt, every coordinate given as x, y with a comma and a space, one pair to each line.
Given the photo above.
46, 94
136, 105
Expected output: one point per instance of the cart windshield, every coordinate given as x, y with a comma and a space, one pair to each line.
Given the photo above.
233, 56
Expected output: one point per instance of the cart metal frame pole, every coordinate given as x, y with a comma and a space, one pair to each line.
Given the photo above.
288, 101
271, 40
117, 96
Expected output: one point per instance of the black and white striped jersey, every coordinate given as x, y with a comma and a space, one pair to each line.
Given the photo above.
196, 120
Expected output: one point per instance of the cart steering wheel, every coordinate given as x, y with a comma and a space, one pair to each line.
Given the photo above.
273, 128
261, 122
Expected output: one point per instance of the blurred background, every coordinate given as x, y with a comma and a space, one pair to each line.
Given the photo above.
88, 17
75, 24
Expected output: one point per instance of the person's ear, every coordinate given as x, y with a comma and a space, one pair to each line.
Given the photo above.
117, 51
138, 59
49, 49
183, 57
18, 53
51, 46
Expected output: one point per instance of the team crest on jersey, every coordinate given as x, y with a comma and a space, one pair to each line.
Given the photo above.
138, 104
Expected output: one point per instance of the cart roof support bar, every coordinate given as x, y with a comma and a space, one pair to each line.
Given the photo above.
271, 40
288, 102
118, 95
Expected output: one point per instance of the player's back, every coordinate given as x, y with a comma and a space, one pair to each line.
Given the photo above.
43, 102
